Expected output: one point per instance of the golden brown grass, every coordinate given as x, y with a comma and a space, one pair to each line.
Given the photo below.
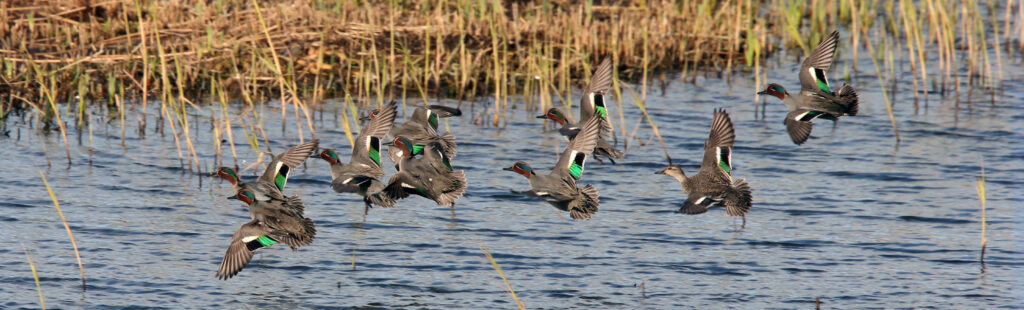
126, 53
459, 48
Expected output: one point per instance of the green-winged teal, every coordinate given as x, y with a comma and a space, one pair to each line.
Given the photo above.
274, 221
271, 183
592, 104
593, 101
816, 98
422, 125
430, 175
569, 130
559, 187
360, 174
713, 184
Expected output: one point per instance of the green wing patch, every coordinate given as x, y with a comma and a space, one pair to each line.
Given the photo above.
282, 176
821, 79
374, 152
723, 160
599, 105
432, 119
259, 242
447, 163
576, 167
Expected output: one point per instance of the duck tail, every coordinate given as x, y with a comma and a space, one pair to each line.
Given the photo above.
587, 205
448, 144
295, 204
295, 239
739, 199
309, 230
848, 98
456, 188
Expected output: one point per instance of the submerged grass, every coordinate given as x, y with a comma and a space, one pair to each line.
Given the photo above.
60, 213
508, 286
981, 196
42, 303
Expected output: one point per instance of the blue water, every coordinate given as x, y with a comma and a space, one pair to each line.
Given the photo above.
851, 217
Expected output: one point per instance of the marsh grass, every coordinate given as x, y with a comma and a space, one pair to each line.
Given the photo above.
508, 286
71, 236
175, 51
39, 289
299, 52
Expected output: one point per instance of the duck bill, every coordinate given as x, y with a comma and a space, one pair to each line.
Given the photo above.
660, 171
763, 92
542, 116
235, 197
507, 169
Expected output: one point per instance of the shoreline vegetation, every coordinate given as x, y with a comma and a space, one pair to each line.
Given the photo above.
58, 58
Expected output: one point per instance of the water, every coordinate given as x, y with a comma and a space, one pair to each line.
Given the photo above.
849, 217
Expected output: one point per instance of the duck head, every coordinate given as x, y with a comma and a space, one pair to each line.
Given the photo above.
554, 114
228, 174
775, 90
521, 167
370, 116
330, 156
246, 196
673, 171
404, 146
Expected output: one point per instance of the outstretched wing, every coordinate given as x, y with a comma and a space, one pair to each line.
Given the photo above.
282, 165
798, 124
572, 160
248, 238
593, 101
814, 68
718, 147
367, 148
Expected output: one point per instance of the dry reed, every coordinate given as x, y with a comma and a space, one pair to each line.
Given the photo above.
368, 49
368, 52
